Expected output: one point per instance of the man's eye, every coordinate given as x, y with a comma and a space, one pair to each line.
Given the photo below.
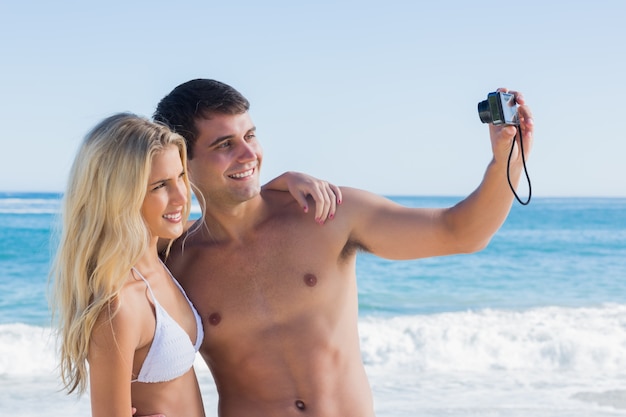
250, 136
224, 144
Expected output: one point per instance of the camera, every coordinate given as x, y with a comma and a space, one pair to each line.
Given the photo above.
499, 109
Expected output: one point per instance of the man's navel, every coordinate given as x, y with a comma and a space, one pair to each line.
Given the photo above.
300, 405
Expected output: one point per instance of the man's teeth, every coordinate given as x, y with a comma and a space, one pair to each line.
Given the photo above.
243, 174
176, 216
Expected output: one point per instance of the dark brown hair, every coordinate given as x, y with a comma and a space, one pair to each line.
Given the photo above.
196, 99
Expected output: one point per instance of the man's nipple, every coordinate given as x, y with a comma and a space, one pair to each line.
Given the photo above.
310, 280
215, 319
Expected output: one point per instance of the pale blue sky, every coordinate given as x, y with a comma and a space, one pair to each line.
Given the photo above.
378, 95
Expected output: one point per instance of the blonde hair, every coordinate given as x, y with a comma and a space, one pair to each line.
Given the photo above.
103, 233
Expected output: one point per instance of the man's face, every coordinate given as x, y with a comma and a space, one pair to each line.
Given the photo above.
227, 159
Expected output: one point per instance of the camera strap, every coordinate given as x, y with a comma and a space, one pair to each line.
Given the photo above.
508, 167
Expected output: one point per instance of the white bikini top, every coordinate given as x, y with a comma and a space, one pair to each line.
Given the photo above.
171, 353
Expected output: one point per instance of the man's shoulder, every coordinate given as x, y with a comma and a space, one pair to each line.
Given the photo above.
356, 200
279, 202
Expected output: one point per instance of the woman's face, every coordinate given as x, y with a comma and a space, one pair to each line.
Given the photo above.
166, 195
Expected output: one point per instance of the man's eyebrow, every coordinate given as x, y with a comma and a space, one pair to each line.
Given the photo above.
221, 139
228, 137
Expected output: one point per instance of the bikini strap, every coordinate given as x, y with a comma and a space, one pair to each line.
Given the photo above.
147, 284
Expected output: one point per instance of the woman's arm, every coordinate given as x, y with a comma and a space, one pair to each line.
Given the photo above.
111, 353
326, 196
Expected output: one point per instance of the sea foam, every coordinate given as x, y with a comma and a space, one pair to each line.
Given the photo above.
548, 339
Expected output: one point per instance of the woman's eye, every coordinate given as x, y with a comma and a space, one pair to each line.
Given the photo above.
161, 185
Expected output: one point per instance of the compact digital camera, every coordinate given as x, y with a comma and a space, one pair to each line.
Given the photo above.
499, 109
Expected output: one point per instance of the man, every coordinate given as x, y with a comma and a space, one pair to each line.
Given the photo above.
277, 292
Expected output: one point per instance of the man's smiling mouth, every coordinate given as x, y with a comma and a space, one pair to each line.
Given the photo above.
243, 174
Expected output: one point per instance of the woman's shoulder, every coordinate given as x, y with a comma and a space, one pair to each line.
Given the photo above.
124, 314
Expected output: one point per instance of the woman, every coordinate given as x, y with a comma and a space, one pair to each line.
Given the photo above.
126, 325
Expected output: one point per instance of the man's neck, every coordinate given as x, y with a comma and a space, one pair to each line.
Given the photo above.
233, 222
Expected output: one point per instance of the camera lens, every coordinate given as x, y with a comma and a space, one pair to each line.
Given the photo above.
484, 112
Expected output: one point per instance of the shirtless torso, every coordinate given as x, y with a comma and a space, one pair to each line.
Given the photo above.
279, 307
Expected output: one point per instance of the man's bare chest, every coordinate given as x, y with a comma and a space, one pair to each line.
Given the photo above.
253, 288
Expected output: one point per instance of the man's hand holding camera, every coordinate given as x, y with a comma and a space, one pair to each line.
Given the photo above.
506, 111
511, 130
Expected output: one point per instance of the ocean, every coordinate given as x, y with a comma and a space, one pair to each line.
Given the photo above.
533, 326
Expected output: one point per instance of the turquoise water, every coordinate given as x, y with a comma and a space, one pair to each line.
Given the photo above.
554, 252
